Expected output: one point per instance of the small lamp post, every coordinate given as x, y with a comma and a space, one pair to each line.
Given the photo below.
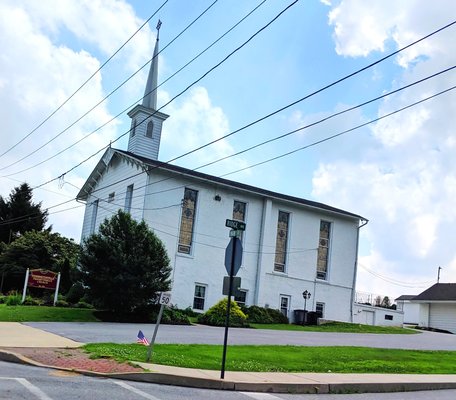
306, 295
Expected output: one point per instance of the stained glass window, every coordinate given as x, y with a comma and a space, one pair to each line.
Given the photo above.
239, 209
323, 250
187, 221
281, 241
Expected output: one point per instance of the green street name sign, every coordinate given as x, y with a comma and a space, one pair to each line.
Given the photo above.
236, 225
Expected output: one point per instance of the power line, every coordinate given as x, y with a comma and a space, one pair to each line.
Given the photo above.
280, 136
394, 281
130, 106
176, 96
83, 84
270, 114
97, 104
341, 133
300, 148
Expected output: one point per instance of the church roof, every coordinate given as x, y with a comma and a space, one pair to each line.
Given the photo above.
406, 297
438, 292
83, 194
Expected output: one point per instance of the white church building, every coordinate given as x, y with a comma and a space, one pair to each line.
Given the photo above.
290, 244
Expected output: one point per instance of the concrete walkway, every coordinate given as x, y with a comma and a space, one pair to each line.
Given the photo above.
25, 344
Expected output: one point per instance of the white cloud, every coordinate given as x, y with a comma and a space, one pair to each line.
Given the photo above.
404, 180
48, 49
194, 122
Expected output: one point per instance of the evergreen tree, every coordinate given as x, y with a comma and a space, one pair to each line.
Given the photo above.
124, 265
18, 214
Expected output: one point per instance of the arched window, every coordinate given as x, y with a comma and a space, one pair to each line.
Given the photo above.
150, 128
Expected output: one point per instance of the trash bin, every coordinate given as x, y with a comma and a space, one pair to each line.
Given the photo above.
312, 318
298, 317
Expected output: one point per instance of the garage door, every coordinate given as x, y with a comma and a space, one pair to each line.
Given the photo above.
443, 316
368, 317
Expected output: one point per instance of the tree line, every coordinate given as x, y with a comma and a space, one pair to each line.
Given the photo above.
120, 268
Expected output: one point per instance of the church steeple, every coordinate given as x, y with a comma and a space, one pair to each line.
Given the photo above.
146, 124
150, 94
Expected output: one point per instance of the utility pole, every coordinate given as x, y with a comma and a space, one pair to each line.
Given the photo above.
438, 274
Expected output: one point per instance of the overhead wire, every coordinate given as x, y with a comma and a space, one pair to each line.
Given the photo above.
82, 85
396, 282
96, 105
270, 114
280, 136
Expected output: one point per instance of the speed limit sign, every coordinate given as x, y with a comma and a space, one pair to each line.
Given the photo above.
165, 298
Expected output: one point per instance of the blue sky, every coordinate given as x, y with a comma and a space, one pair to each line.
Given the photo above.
398, 173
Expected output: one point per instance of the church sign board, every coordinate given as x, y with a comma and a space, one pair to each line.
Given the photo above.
41, 278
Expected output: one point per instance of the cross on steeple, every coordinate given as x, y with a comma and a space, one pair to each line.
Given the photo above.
159, 24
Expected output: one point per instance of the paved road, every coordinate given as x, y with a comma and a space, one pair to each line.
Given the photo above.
18, 382
91, 332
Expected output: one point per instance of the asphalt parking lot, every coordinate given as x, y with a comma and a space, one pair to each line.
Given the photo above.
98, 332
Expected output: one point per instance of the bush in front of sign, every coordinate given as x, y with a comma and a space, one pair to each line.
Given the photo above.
216, 315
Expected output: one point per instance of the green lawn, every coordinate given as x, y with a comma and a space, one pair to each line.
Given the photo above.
286, 358
43, 313
337, 327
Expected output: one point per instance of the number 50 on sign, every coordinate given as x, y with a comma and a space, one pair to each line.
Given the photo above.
165, 298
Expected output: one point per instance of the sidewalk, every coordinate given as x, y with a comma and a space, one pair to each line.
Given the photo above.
23, 344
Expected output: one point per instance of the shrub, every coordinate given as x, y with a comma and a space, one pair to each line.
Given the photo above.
13, 299
216, 315
189, 312
62, 303
75, 293
30, 301
2, 299
83, 304
261, 315
174, 316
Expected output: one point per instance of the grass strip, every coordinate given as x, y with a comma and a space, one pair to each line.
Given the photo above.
338, 359
45, 314
339, 327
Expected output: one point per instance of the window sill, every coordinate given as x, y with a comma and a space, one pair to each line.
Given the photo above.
184, 255
279, 273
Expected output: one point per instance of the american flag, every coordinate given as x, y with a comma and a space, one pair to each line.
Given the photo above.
142, 339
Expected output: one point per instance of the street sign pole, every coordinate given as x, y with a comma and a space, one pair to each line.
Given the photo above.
164, 301
228, 309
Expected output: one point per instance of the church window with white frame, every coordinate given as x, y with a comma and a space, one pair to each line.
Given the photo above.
199, 297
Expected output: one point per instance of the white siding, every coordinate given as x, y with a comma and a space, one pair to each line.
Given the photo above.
158, 197
108, 183
369, 315
205, 264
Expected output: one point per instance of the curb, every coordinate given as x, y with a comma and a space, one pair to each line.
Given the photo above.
265, 387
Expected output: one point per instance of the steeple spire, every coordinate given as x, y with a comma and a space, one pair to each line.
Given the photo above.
146, 120
150, 94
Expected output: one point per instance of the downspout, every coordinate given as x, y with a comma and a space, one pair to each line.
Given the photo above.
366, 221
